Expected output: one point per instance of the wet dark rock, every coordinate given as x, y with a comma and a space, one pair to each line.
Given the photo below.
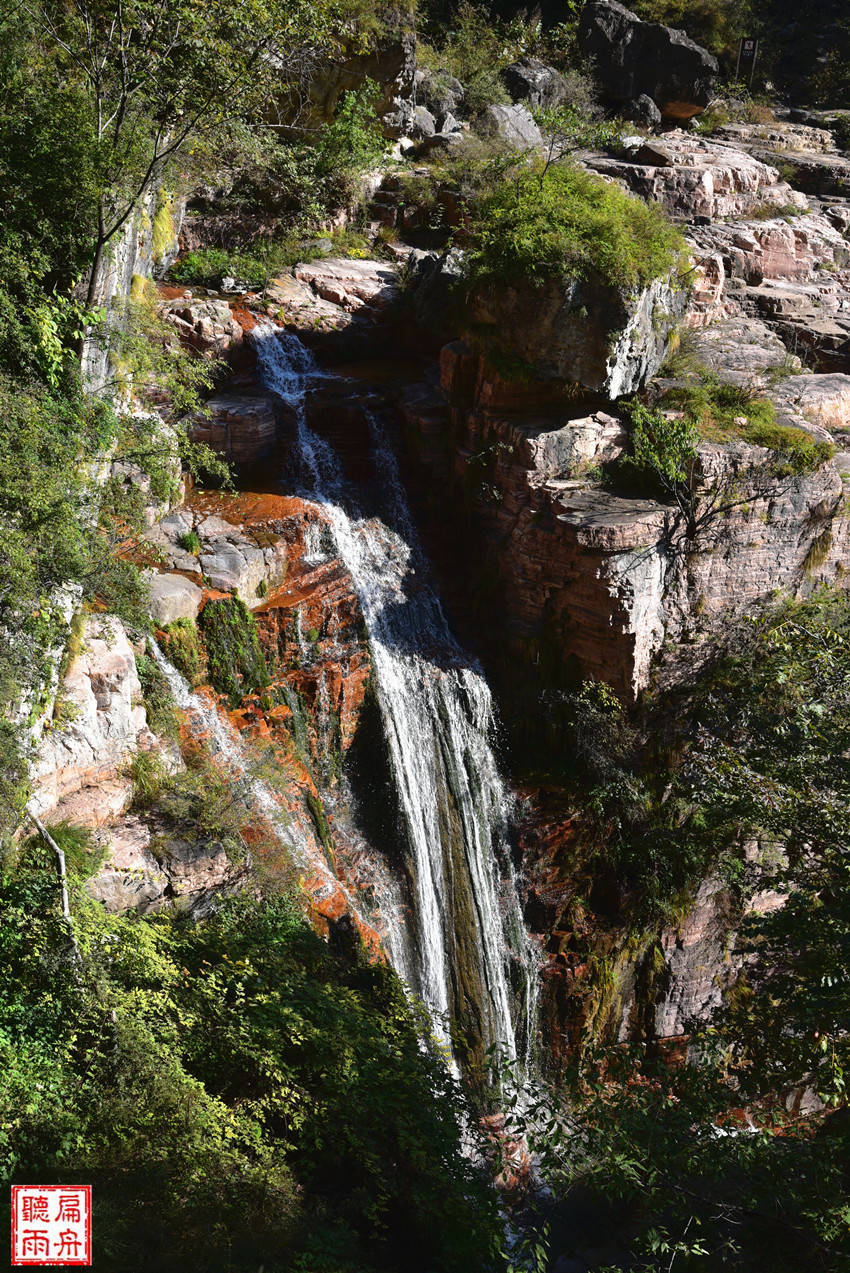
531, 81
441, 143
642, 110
632, 58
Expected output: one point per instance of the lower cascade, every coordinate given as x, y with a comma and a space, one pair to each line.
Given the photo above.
464, 950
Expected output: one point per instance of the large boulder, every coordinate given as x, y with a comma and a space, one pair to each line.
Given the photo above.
438, 90
390, 63
206, 325
514, 126
585, 330
631, 57
531, 81
173, 597
228, 556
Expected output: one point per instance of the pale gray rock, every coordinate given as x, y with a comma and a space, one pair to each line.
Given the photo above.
228, 559
444, 143
100, 725
693, 176
207, 326
422, 124
173, 597
188, 876
512, 125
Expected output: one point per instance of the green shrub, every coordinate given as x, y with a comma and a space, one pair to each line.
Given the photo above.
190, 542
203, 807
796, 451
82, 855
148, 773
181, 644
721, 411
714, 407
663, 448
564, 222
840, 129
239, 1094
237, 665
580, 128
475, 49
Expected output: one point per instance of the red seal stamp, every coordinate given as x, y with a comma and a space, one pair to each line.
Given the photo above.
51, 1224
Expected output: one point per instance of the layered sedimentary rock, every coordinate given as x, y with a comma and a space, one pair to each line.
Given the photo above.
98, 725
699, 177
595, 583
242, 427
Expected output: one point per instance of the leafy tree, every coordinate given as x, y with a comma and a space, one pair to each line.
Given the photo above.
150, 75
239, 1091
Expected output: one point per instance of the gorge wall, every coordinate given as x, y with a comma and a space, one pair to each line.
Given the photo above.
551, 574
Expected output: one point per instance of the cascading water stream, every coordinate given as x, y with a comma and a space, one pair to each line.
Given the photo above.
437, 716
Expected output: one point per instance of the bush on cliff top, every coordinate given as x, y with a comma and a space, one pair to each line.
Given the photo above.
559, 221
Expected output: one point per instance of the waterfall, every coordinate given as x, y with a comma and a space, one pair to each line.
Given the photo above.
437, 717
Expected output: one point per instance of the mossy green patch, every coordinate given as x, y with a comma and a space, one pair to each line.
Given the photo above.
181, 644
237, 665
163, 235
720, 412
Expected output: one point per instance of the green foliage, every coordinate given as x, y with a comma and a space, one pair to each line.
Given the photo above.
578, 127
663, 448
181, 645
237, 1093
256, 267
840, 129
770, 758
560, 221
796, 450
237, 665
162, 230
82, 855
650, 1152
159, 701
262, 261
474, 49
719, 412
148, 773
198, 804
190, 542
352, 143
713, 23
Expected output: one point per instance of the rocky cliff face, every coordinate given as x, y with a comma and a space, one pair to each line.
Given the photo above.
550, 572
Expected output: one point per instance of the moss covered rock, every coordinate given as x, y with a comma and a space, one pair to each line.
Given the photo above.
236, 663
